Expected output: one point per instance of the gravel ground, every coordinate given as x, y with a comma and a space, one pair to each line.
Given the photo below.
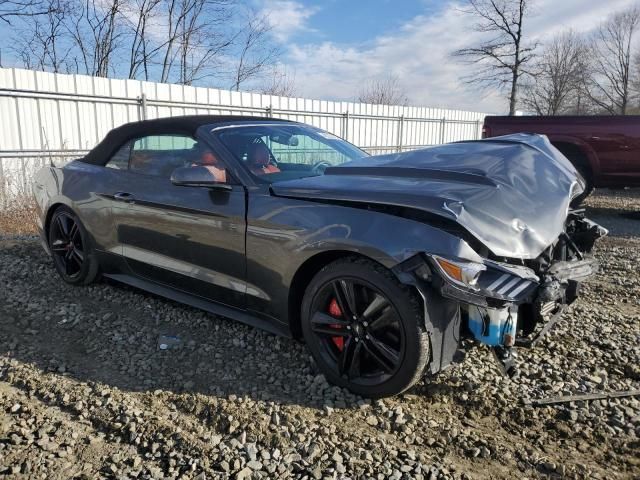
85, 392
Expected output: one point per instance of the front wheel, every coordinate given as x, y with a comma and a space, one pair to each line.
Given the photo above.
364, 328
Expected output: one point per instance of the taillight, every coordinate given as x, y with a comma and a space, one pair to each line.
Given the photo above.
486, 131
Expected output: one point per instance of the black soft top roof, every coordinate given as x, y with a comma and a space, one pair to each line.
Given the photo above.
186, 125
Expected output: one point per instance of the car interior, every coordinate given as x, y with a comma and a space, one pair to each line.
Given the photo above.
275, 154
269, 154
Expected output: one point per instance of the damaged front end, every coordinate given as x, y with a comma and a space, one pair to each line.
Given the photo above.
501, 302
511, 253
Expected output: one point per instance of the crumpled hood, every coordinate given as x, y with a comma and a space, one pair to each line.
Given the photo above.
512, 193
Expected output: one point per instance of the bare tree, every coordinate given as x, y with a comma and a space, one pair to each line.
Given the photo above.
41, 44
635, 85
609, 85
557, 76
202, 42
177, 12
21, 8
96, 31
280, 83
256, 53
384, 91
502, 58
196, 39
141, 51
185, 41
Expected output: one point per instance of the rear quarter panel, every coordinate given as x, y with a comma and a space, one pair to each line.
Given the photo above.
82, 188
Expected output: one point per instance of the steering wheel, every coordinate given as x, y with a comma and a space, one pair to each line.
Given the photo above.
320, 166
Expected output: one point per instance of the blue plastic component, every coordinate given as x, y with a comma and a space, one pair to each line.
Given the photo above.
492, 327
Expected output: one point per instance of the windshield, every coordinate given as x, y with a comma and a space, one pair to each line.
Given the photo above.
281, 152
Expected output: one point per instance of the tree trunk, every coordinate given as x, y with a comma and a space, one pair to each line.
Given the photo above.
514, 94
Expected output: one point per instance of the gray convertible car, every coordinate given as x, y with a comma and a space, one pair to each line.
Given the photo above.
388, 266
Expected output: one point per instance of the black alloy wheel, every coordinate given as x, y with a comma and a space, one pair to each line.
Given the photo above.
66, 245
359, 336
70, 248
359, 329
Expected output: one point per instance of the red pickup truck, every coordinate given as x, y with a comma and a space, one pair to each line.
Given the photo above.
605, 149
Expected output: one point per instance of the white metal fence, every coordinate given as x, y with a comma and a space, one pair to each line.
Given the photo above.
46, 117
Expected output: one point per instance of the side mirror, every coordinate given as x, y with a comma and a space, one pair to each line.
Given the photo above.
197, 176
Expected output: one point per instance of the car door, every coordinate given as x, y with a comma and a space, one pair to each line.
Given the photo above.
190, 238
97, 209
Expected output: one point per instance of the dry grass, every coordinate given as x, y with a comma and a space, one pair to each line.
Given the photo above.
19, 216
17, 204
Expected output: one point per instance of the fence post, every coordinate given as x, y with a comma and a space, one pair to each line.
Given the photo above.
443, 126
345, 125
400, 133
142, 102
478, 133
269, 111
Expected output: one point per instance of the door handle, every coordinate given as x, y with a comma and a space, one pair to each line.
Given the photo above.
123, 197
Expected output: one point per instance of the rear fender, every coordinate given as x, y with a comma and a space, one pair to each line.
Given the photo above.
46, 190
53, 187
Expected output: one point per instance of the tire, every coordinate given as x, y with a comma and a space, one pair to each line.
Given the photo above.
382, 352
71, 248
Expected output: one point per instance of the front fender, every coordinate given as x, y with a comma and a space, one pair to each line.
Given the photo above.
283, 233
304, 229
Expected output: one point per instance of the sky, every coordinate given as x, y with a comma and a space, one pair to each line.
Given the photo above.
332, 47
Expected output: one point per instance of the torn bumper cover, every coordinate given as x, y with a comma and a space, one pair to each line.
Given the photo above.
502, 304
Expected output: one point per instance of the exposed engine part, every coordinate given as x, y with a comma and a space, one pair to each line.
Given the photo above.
582, 231
578, 238
573, 270
508, 302
550, 292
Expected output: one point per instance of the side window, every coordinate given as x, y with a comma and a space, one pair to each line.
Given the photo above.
160, 155
303, 149
120, 159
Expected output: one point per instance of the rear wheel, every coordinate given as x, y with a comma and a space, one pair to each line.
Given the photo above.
71, 249
363, 328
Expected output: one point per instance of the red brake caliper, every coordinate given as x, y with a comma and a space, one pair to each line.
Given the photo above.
334, 311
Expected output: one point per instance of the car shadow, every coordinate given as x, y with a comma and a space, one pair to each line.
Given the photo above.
112, 334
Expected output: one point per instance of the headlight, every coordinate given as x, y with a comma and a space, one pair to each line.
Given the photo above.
483, 283
460, 272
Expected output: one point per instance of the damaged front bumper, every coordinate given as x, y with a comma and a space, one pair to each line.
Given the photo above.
501, 304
